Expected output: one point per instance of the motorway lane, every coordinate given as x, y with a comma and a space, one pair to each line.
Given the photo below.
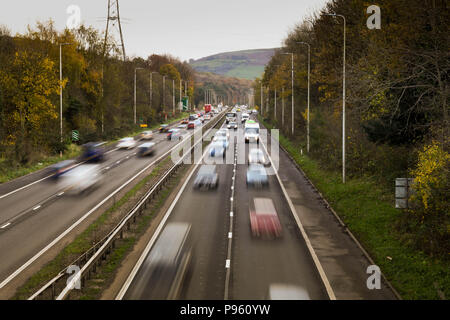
19, 242
257, 262
207, 212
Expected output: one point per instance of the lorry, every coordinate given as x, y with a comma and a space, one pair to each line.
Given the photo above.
207, 108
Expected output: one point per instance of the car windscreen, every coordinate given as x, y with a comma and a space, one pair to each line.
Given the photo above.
252, 130
231, 115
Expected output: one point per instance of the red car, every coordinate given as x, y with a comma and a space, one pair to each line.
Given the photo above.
264, 218
185, 121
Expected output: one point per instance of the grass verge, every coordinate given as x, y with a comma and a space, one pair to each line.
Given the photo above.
367, 209
8, 173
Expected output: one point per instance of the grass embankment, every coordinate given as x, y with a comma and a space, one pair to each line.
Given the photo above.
368, 211
8, 173
82, 242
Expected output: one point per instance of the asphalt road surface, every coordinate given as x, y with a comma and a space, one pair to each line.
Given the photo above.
255, 263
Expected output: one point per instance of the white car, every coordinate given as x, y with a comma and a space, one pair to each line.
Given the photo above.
232, 125
81, 178
245, 117
126, 143
256, 156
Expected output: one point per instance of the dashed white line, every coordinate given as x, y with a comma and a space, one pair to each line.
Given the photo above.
227, 264
37, 207
5, 225
231, 213
60, 194
230, 235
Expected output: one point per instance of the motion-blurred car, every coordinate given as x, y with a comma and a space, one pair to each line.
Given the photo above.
257, 176
163, 128
126, 143
223, 140
222, 132
256, 156
217, 149
245, 117
194, 124
145, 149
176, 134
281, 291
207, 117
184, 121
58, 169
264, 219
166, 266
193, 117
232, 125
92, 152
207, 177
146, 135
182, 126
254, 111
81, 178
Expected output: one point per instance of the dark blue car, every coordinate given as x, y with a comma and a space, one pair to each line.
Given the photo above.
93, 152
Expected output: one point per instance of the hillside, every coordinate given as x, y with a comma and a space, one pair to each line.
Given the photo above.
246, 64
233, 90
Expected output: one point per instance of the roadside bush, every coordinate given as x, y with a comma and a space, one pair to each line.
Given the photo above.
431, 213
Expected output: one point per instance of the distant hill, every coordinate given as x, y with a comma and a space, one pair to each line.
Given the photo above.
246, 64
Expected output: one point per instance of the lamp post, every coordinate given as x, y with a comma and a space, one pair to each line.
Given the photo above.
282, 107
164, 93
343, 100
135, 69
151, 88
173, 96
60, 95
261, 98
292, 79
309, 70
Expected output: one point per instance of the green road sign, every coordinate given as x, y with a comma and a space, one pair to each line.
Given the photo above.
185, 103
75, 135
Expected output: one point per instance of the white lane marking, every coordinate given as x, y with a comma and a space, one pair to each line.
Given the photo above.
231, 213
231, 199
5, 225
117, 162
158, 230
30, 184
311, 250
60, 194
37, 207
227, 264
230, 235
24, 187
107, 168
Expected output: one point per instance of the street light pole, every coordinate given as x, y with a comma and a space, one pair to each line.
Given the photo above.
151, 88
135, 93
261, 98
173, 96
343, 100
309, 71
60, 95
282, 107
292, 79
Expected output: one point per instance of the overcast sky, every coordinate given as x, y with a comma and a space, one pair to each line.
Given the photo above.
184, 28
